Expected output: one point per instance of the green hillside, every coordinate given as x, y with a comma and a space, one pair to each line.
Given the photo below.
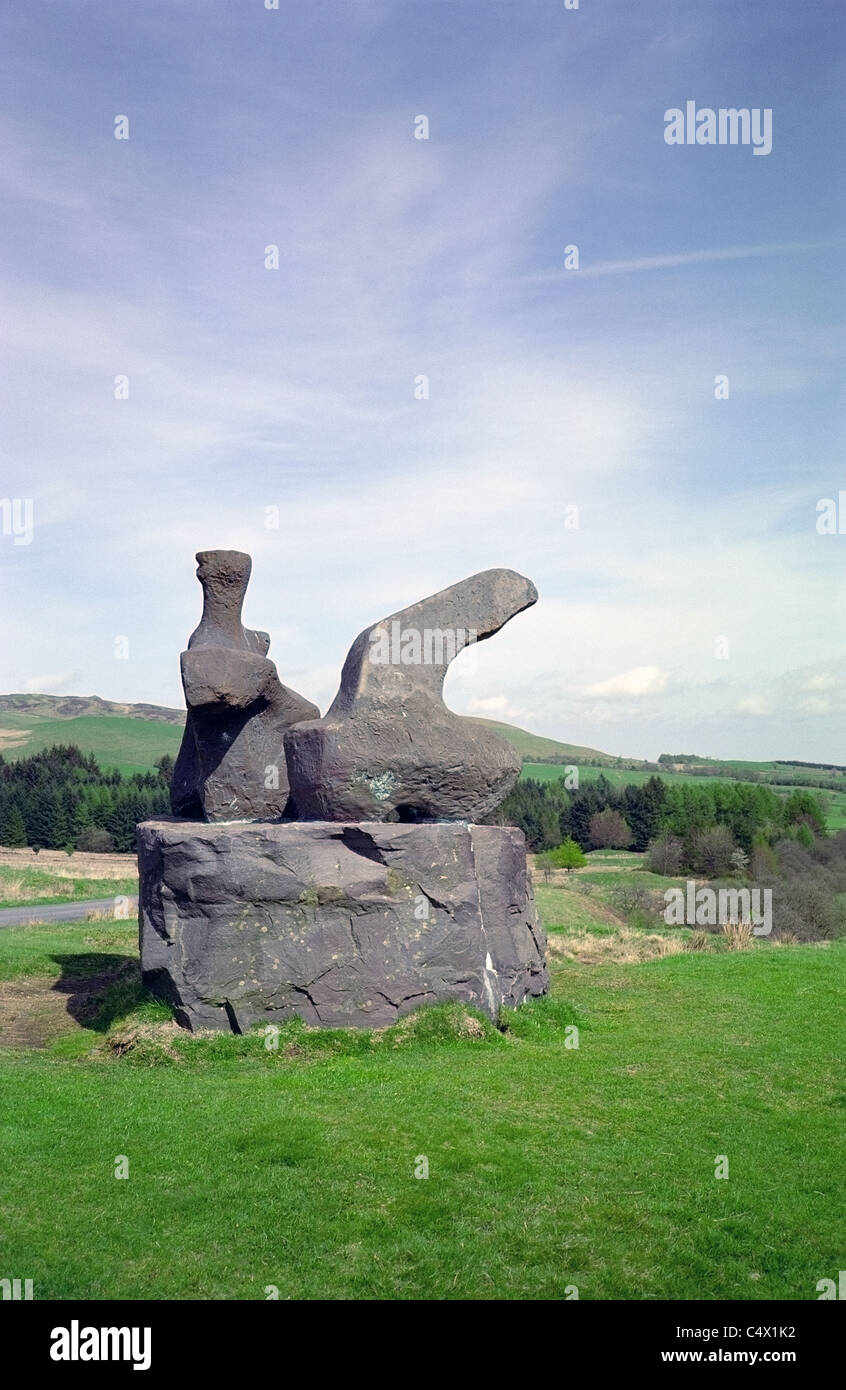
132, 738
126, 743
532, 747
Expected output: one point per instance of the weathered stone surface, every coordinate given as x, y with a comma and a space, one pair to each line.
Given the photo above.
389, 749
231, 765
341, 924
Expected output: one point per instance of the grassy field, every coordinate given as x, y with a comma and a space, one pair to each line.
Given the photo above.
550, 1166
130, 745
36, 887
836, 810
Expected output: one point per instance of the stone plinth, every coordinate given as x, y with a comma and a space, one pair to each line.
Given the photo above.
343, 924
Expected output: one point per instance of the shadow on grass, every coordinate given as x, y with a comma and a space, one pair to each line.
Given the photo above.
101, 987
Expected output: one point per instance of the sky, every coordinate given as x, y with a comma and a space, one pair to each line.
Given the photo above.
571, 425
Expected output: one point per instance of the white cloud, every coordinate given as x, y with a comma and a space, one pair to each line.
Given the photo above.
54, 684
489, 704
641, 680
753, 704
685, 258
816, 705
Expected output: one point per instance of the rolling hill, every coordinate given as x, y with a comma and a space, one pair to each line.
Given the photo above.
75, 706
535, 748
132, 737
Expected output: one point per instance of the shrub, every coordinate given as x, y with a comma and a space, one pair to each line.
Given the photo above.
738, 935
96, 841
711, 850
609, 830
740, 861
764, 861
665, 856
636, 903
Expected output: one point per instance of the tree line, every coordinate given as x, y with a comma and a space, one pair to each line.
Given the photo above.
600, 815
62, 799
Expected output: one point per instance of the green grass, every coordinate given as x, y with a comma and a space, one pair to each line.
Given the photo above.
37, 887
836, 810
548, 1165
565, 909
117, 741
53, 948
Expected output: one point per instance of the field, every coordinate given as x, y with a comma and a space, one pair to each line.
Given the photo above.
550, 1166
836, 814
130, 745
26, 887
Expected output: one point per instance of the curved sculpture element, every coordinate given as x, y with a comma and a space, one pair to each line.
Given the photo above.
231, 765
389, 749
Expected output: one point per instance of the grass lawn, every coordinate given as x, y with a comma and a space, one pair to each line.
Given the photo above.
549, 1165
836, 812
37, 887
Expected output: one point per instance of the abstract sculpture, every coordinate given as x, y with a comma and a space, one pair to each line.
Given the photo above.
350, 915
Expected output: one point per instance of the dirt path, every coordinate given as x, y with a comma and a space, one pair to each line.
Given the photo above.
35, 1011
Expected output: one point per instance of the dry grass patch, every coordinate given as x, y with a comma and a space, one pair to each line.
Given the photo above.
134, 1035
738, 935
624, 946
80, 864
36, 1010
16, 890
13, 738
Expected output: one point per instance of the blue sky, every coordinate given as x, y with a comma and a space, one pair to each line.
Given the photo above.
549, 388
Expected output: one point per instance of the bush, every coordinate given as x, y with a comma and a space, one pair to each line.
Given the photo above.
609, 830
634, 901
764, 861
740, 861
711, 851
95, 841
665, 856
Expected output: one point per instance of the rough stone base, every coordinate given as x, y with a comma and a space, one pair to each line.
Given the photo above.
339, 923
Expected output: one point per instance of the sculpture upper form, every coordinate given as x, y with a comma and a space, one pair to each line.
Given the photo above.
231, 765
388, 748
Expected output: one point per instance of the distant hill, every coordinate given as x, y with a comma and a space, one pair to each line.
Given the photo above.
128, 737
132, 737
75, 706
533, 748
